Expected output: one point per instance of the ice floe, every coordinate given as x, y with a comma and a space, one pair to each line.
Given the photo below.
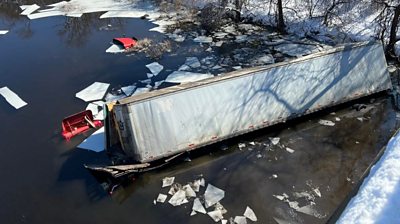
161, 198
240, 220
198, 207
178, 198
2, 32
28, 9
95, 91
213, 195
95, 142
192, 62
168, 181
114, 49
275, 140
249, 213
216, 215
155, 68
326, 122
12, 98
289, 150
184, 76
128, 90
203, 39
295, 50
94, 108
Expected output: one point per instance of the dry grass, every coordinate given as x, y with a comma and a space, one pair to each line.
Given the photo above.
151, 49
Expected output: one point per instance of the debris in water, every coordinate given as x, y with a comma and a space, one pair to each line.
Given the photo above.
326, 122
168, 181
240, 220
155, 68
213, 195
2, 32
161, 198
289, 150
183, 76
12, 98
96, 91
198, 207
95, 142
249, 213
178, 198
275, 140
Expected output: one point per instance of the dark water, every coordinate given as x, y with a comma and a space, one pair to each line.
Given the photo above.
47, 61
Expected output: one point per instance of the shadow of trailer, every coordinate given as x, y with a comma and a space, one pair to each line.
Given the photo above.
151, 129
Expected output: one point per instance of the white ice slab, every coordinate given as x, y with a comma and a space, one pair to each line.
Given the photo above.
183, 77
326, 122
198, 207
28, 9
99, 116
12, 98
192, 62
2, 32
289, 150
96, 91
275, 140
178, 198
123, 14
114, 49
155, 68
213, 195
189, 191
216, 215
75, 15
161, 198
95, 142
240, 220
94, 108
45, 14
114, 98
203, 39
167, 181
249, 213
128, 90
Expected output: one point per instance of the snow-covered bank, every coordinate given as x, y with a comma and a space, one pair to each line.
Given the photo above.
378, 199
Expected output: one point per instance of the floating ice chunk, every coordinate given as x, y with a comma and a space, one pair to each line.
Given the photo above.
309, 210
216, 215
213, 195
337, 119
176, 37
193, 213
178, 198
2, 32
122, 14
281, 197
146, 81
237, 67
95, 142
96, 91
326, 122
295, 50
198, 207
45, 14
240, 220
289, 150
99, 103
75, 15
266, 59
149, 75
317, 192
128, 90
162, 25
192, 62
158, 83
224, 221
155, 68
141, 90
275, 140
241, 145
113, 98
93, 107
189, 191
28, 9
168, 181
99, 115
183, 77
184, 68
360, 119
275, 176
220, 35
114, 49
219, 43
161, 198
241, 38
12, 98
203, 39
249, 213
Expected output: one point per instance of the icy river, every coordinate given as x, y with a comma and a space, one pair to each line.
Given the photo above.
304, 163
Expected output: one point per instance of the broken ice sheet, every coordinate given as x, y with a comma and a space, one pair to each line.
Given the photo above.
128, 90
155, 68
161, 198
266, 59
99, 115
95, 142
213, 195
216, 215
326, 122
178, 198
189, 191
240, 220
2, 32
28, 9
115, 49
94, 108
192, 62
275, 140
203, 39
168, 181
113, 98
141, 90
249, 213
96, 91
198, 207
289, 150
183, 77
12, 98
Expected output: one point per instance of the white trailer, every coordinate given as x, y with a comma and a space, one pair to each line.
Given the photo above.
165, 122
